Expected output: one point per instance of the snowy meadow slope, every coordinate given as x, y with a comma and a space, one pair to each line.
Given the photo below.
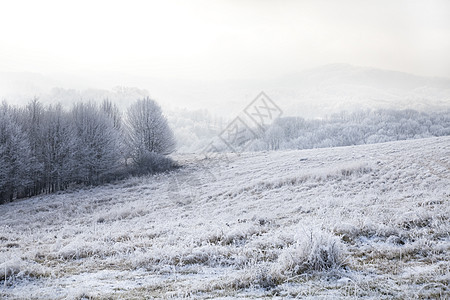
370, 221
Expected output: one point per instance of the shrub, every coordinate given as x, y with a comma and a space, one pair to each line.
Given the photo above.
318, 252
152, 162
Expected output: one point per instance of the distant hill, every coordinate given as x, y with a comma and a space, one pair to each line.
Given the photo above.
332, 88
310, 93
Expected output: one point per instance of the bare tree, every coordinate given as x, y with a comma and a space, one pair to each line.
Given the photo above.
15, 156
113, 112
97, 144
31, 119
45, 148
59, 147
148, 130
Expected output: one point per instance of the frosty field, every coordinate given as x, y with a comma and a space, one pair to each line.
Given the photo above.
366, 221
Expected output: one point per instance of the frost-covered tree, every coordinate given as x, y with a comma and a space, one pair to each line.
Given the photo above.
45, 148
116, 116
273, 137
50, 135
113, 112
59, 146
148, 131
31, 120
15, 156
96, 141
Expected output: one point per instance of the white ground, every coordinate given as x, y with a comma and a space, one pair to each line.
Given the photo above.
367, 221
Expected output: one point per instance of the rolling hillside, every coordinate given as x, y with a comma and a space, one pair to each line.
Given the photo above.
369, 221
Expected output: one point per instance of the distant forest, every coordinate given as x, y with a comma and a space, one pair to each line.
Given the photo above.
194, 130
357, 128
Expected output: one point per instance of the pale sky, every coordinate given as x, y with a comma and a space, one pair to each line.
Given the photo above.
223, 39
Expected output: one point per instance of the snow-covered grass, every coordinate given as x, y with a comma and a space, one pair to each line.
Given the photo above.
367, 221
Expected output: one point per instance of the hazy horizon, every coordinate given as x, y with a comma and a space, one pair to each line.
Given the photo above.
313, 57
222, 40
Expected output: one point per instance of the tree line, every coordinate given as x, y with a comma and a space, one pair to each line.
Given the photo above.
346, 129
44, 149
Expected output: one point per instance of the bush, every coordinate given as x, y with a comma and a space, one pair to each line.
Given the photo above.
151, 162
321, 251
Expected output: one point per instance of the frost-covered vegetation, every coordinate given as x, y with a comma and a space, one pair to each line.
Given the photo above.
45, 149
357, 128
367, 221
194, 130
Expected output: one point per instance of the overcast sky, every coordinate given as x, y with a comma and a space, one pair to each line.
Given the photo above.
223, 39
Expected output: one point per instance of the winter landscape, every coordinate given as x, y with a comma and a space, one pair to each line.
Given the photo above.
366, 221
225, 149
